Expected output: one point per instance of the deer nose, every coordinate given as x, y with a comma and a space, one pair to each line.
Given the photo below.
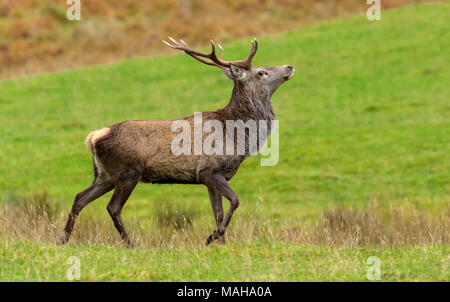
290, 67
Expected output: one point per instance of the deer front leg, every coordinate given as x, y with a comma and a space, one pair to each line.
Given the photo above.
219, 183
216, 203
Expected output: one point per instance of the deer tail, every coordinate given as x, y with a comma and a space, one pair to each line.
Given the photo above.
95, 136
88, 141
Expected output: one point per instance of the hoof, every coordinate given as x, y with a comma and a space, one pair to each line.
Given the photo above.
129, 244
210, 238
62, 241
214, 236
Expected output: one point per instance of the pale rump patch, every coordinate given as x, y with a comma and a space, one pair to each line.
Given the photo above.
90, 141
94, 136
99, 134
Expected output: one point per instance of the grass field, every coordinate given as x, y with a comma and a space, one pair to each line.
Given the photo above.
363, 171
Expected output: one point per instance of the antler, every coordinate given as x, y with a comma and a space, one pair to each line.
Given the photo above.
214, 61
195, 54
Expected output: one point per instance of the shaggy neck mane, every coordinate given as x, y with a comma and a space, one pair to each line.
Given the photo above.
248, 103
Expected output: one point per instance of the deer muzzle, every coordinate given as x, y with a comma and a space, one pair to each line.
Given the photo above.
290, 72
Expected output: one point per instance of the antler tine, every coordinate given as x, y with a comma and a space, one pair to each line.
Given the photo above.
220, 61
168, 44
213, 49
222, 57
252, 51
184, 43
173, 40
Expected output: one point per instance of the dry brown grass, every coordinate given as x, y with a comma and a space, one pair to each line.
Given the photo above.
375, 226
35, 36
41, 220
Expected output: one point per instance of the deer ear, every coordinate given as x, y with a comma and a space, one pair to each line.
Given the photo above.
227, 72
237, 73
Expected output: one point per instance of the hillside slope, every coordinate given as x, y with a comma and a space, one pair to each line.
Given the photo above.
35, 35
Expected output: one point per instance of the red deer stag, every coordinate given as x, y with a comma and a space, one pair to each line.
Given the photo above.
140, 150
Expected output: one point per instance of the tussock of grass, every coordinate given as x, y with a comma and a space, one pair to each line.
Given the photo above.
167, 215
38, 219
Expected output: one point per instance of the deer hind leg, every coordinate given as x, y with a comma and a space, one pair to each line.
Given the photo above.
216, 203
99, 187
122, 190
219, 183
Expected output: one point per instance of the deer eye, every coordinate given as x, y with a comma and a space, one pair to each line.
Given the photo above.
261, 72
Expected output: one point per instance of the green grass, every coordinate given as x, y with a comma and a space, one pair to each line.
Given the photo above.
365, 119
259, 261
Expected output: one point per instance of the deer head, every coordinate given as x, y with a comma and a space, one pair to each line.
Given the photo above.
245, 75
